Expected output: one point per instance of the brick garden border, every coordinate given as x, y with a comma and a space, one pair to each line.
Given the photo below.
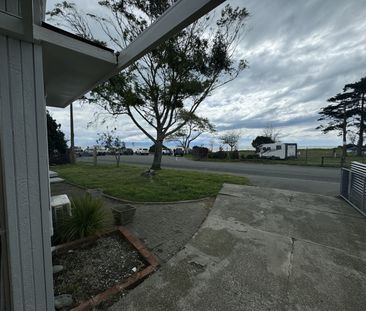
130, 282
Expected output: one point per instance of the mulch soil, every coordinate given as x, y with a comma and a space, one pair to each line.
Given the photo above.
92, 269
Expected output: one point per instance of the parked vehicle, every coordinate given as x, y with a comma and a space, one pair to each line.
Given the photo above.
178, 152
78, 151
127, 151
88, 152
102, 151
167, 152
142, 151
278, 151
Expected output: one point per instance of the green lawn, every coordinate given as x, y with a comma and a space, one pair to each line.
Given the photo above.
127, 183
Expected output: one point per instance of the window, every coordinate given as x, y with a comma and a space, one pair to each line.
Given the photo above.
278, 147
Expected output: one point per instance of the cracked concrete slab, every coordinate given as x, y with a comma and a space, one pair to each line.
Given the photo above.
264, 249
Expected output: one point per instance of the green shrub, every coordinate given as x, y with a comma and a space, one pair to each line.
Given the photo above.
88, 218
252, 156
234, 155
199, 152
219, 155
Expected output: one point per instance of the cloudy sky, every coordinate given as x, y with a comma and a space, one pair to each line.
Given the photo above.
299, 52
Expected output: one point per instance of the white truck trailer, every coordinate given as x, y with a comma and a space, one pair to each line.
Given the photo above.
278, 151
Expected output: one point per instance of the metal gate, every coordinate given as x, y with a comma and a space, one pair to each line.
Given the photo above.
353, 186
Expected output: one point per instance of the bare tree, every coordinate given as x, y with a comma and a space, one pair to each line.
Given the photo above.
193, 129
231, 139
112, 143
272, 132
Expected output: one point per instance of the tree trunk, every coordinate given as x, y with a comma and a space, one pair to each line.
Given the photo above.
186, 147
118, 158
344, 147
156, 165
362, 128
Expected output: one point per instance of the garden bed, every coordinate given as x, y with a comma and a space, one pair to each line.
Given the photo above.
96, 268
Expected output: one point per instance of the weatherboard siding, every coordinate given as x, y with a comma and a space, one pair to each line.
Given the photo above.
11, 6
25, 174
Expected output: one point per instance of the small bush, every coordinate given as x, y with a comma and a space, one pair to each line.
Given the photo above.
199, 152
252, 156
88, 218
234, 155
219, 155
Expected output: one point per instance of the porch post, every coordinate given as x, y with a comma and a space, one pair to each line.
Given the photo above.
25, 181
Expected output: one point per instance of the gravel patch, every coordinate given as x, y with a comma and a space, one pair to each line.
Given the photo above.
92, 269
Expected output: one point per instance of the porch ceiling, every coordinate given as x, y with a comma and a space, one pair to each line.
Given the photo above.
68, 74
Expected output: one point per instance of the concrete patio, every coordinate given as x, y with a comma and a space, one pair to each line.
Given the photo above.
264, 249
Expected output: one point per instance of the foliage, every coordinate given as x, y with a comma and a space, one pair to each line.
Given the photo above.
194, 128
218, 155
88, 218
199, 152
231, 139
57, 145
127, 183
113, 144
345, 112
162, 91
234, 155
260, 140
358, 89
251, 156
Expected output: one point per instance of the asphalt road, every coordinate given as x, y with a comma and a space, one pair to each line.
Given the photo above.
319, 180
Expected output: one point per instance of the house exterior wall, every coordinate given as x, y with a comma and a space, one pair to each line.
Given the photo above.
23, 139
4, 280
11, 6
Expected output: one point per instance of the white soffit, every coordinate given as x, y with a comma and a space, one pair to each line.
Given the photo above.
69, 74
71, 65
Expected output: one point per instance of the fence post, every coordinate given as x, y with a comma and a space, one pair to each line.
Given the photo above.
306, 155
322, 163
95, 153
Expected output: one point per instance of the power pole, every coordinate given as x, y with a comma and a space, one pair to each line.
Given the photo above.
72, 142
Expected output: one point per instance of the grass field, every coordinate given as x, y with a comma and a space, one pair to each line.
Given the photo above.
311, 156
315, 157
127, 183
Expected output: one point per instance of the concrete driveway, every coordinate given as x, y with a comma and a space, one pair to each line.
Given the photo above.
264, 249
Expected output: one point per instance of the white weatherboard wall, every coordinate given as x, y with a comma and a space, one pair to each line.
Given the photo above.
25, 174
